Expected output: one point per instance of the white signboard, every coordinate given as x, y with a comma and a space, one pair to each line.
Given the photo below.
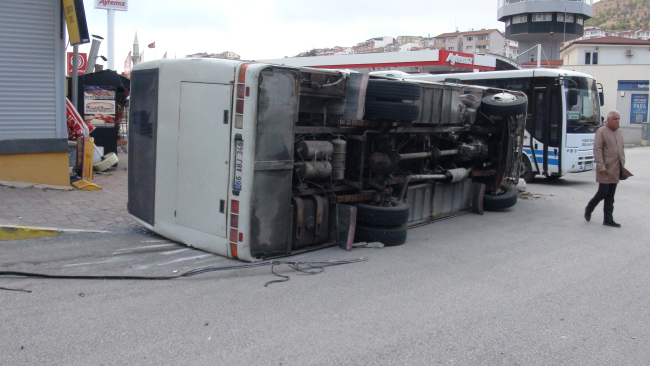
112, 4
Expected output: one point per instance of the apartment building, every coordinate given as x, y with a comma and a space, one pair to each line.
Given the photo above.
483, 41
449, 41
403, 40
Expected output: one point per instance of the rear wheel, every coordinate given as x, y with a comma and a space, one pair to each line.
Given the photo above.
392, 111
394, 214
393, 90
504, 199
389, 236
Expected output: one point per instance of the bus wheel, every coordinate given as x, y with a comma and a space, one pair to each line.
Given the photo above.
389, 236
393, 90
505, 198
392, 111
394, 214
503, 105
526, 169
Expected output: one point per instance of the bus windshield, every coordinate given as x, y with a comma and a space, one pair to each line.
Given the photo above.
584, 115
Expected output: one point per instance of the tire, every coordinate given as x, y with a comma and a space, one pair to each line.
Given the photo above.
394, 215
505, 200
393, 90
392, 111
389, 236
526, 169
503, 105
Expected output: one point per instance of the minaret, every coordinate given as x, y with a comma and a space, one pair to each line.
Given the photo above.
136, 50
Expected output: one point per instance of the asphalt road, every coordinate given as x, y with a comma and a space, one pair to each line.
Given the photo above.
535, 285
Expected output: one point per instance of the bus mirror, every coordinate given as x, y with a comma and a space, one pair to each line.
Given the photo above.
573, 97
601, 96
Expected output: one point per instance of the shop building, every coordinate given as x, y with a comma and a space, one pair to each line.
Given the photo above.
622, 66
33, 132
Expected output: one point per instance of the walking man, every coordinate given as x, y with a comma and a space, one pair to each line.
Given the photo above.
610, 159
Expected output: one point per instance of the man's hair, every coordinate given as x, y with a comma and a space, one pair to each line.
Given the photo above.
611, 114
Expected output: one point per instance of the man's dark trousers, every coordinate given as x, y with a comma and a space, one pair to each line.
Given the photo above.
605, 192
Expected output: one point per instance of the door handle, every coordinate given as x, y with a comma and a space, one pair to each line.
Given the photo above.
222, 206
555, 152
225, 117
535, 146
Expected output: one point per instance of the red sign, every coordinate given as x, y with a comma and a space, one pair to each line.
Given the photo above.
82, 61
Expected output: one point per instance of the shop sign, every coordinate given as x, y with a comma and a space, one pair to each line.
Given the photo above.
454, 59
122, 5
75, 18
637, 85
639, 108
82, 60
99, 104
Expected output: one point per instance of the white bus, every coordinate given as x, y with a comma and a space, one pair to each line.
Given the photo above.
563, 116
252, 160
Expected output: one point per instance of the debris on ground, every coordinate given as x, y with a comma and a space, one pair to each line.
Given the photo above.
374, 244
521, 186
529, 195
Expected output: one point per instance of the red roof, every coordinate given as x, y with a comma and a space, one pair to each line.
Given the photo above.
612, 41
468, 33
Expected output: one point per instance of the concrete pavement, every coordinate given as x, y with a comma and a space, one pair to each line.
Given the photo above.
75, 209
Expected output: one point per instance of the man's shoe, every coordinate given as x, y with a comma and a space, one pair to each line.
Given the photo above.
611, 223
587, 214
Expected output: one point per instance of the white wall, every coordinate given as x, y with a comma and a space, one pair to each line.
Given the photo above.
609, 75
609, 54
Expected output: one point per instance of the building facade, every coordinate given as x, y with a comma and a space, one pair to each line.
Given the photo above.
33, 131
622, 66
545, 22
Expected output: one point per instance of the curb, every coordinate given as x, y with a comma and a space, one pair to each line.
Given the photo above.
13, 232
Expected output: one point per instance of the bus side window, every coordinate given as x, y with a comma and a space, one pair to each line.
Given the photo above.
556, 119
538, 119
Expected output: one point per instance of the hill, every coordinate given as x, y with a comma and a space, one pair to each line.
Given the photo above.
621, 14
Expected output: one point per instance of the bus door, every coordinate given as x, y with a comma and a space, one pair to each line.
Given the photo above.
546, 129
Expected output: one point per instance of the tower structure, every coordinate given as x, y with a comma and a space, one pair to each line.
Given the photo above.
545, 22
136, 50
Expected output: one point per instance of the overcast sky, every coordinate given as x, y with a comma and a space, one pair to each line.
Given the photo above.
266, 29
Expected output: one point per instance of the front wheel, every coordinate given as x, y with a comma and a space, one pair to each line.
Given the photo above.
526, 169
504, 199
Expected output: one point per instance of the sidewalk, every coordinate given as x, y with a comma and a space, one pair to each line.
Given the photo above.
76, 209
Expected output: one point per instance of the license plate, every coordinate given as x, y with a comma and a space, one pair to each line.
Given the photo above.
239, 165
589, 166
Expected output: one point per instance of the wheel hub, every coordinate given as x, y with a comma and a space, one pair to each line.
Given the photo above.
503, 98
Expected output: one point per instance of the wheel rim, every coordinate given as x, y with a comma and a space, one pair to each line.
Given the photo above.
523, 168
504, 98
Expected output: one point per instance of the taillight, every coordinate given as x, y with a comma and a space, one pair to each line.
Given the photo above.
242, 92
234, 206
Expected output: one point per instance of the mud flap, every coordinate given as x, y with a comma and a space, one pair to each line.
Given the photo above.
478, 191
345, 219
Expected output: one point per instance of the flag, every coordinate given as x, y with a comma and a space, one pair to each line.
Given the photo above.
152, 45
128, 64
165, 56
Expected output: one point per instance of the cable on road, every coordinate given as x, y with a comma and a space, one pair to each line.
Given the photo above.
319, 266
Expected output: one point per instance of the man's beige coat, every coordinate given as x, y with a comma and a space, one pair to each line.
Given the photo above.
609, 154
